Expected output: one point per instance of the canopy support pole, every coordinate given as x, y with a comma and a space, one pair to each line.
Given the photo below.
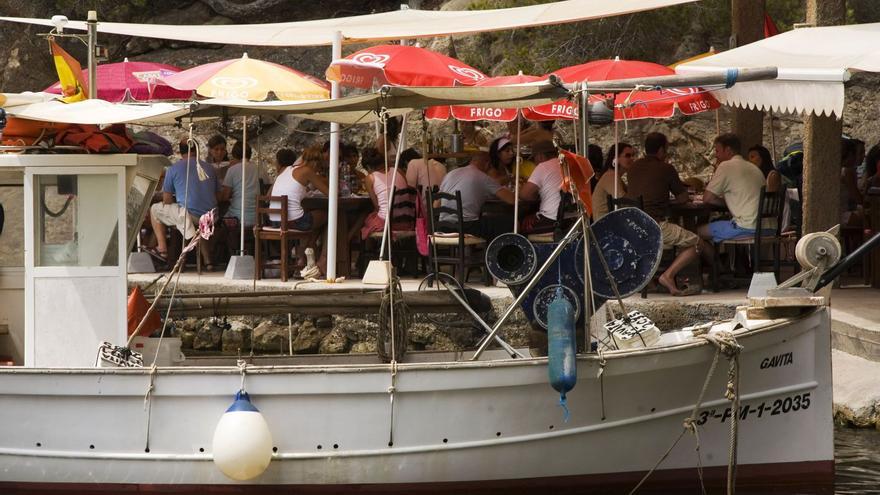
516, 165
241, 267
93, 46
333, 196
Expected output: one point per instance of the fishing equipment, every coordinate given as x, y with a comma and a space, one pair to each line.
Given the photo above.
242, 443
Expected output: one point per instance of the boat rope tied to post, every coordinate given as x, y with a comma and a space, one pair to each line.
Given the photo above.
725, 344
392, 347
561, 348
242, 368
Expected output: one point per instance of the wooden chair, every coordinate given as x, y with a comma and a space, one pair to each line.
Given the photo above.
403, 229
456, 248
565, 216
769, 220
283, 234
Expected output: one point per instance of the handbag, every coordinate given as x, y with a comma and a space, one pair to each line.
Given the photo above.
421, 227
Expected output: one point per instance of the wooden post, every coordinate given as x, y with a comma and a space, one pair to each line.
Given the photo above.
821, 201
747, 26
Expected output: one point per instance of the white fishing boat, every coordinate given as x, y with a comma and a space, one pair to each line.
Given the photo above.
431, 422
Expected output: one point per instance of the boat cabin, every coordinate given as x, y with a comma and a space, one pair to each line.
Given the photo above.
62, 253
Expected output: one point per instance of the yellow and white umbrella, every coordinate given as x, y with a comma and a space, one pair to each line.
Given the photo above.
249, 79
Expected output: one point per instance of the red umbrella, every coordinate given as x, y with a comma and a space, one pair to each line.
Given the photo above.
556, 110
401, 65
639, 104
132, 80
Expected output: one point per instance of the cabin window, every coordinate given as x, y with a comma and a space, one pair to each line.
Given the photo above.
76, 220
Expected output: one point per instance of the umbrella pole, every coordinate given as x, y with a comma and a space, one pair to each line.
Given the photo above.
614, 161
333, 196
244, 159
717, 122
516, 178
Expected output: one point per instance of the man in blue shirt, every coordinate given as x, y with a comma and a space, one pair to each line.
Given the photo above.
188, 192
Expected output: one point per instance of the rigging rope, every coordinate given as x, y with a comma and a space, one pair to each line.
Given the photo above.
725, 344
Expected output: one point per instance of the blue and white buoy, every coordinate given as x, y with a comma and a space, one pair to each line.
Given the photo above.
242, 441
561, 347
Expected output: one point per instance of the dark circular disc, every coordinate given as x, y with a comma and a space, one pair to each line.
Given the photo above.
632, 245
511, 259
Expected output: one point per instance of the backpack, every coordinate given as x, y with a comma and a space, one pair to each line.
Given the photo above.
150, 143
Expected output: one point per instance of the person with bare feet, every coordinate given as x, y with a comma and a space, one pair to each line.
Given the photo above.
653, 179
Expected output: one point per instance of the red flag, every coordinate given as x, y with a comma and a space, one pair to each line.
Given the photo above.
581, 172
770, 28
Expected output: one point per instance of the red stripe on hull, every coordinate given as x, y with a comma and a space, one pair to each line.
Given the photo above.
818, 476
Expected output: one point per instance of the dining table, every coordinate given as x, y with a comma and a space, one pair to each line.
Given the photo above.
350, 208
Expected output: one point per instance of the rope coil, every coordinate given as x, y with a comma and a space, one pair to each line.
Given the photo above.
395, 320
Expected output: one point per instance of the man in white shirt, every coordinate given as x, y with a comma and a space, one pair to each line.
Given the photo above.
544, 183
735, 185
476, 187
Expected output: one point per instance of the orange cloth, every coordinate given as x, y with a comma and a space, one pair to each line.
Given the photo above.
137, 309
581, 172
69, 74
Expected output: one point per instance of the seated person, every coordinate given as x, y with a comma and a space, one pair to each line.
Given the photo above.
654, 179
605, 185
378, 184
422, 173
294, 182
545, 184
760, 156
502, 158
736, 184
476, 187
217, 155
233, 188
284, 158
188, 192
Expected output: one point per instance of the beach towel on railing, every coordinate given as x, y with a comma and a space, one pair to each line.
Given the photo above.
95, 139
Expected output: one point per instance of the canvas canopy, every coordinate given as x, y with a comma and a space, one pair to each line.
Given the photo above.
348, 110
407, 23
813, 65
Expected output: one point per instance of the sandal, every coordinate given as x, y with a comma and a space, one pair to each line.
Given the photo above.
155, 253
690, 290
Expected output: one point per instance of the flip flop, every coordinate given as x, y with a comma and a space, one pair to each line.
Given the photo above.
155, 253
690, 290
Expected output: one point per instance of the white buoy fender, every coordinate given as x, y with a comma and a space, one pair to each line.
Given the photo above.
242, 442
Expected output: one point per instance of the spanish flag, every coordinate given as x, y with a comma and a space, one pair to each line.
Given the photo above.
73, 88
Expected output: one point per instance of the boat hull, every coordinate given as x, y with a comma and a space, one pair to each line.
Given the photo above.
456, 425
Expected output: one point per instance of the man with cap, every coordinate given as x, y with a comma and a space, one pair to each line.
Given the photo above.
544, 184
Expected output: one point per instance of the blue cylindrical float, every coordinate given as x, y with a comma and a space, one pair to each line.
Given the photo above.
561, 347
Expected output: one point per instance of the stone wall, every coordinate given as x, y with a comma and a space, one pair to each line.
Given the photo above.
333, 334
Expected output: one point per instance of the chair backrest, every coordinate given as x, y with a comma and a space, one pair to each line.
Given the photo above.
264, 209
624, 202
403, 208
769, 208
456, 211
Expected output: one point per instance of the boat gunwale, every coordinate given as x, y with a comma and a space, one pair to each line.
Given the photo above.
386, 367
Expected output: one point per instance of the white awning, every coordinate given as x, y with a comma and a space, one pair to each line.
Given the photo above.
813, 65
408, 23
348, 110
98, 112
